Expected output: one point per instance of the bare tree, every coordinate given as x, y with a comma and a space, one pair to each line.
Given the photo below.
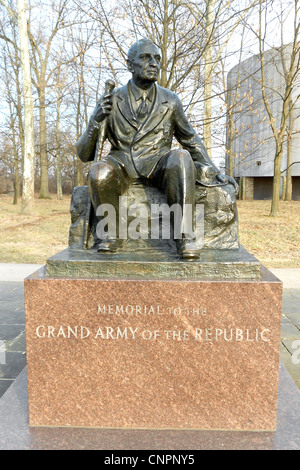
290, 56
169, 24
41, 47
12, 125
20, 16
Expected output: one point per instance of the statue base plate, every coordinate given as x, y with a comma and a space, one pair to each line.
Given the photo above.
154, 264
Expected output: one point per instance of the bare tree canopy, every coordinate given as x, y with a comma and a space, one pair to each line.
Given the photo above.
75, 46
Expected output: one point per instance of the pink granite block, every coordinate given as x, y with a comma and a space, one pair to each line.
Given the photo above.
153, 354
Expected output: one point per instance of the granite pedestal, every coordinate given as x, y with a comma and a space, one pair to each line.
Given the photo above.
153, 354
15, 434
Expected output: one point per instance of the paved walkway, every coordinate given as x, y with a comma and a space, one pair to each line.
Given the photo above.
290, 324
12, 321
11, 272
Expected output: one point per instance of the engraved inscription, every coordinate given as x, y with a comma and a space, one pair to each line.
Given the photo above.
200, 335
104, 309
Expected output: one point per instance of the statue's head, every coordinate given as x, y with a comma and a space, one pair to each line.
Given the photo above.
143, 61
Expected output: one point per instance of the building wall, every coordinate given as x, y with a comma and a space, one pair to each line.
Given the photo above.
296, 188
253, 143
261, 187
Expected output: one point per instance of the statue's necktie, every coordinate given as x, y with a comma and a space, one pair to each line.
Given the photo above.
142, 110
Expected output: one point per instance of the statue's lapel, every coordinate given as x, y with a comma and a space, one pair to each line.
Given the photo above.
124, 106
156, 115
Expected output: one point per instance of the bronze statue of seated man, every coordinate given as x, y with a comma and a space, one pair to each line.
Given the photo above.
141, 119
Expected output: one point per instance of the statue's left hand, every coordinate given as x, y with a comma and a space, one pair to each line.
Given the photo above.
228, 179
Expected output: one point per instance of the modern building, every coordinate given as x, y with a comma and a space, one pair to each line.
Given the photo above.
249, 134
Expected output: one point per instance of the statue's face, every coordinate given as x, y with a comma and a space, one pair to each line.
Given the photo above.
146, 64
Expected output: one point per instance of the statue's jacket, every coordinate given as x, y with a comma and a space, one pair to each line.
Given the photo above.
140, 146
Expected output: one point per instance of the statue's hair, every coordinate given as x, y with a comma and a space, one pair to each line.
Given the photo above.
134, 47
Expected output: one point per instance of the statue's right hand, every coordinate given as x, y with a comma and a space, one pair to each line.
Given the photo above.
103, 108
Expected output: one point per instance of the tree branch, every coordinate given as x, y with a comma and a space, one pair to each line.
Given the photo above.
12, 12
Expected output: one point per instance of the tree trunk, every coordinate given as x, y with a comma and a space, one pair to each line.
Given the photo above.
243, 188
283, 188
58, 177
16, 186
79, 178
20, 125
164, 47
276, 181
14, 140
44, 187
229, 143
28, 172
58, 155
21, 138
16, 168
19, 107
289, 183
208, 76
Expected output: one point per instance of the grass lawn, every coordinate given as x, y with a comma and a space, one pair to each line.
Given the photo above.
32, 239
275, 241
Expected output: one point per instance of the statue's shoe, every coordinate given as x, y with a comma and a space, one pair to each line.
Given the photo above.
109, 246
187, 250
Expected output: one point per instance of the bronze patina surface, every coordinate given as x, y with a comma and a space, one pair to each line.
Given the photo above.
140, 121
149, 262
